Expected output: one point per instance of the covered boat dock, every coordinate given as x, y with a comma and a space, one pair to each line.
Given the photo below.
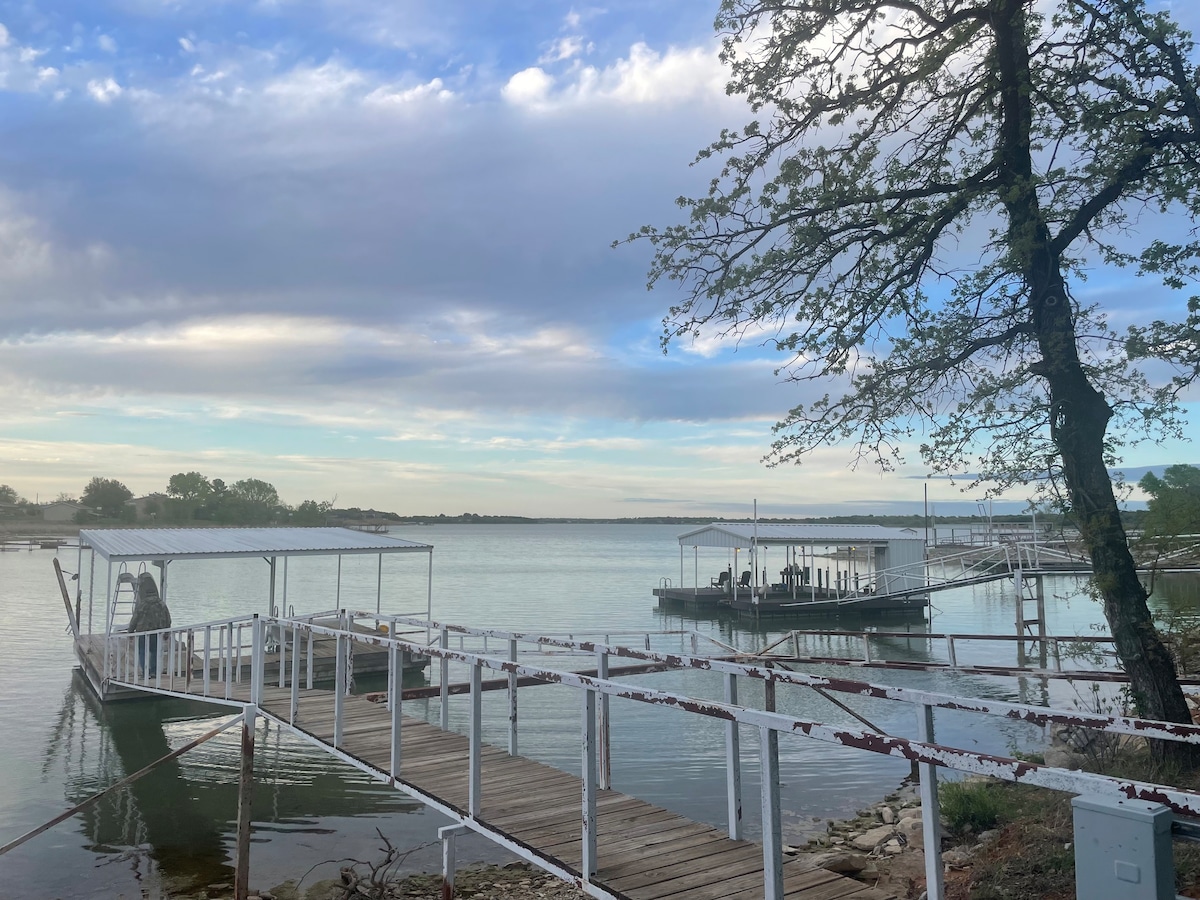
105, 611
773, 569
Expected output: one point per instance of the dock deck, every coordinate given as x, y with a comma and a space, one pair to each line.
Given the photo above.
645, 852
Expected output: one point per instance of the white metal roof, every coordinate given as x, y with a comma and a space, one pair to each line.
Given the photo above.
742, 534
220, 543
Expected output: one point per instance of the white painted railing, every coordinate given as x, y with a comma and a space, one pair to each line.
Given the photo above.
595, 691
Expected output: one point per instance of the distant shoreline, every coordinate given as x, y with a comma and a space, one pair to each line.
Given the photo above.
23, 527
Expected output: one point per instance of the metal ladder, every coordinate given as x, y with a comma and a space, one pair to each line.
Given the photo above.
125, 596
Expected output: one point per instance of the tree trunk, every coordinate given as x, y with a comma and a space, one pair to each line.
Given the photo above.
1079, 413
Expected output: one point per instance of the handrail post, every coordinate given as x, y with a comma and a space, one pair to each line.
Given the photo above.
930, 811
604, 745
158, 658
444, 680
348, 626
229, 669
589, 784
282, 655
771, 818
294, 709
395, 702
207, 660
733, 763
308, 675
257, 661
475, 751
339, 688
512, 700
245, 797
448, 837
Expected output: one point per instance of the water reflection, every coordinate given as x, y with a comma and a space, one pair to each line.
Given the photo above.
1177, 593
177, 822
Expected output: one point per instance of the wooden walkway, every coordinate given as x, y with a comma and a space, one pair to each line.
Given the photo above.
645, 852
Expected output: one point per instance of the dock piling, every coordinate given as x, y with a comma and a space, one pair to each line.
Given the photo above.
241, 883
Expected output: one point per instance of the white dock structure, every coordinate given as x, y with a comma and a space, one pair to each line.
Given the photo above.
802, 569
577, 826
97, 621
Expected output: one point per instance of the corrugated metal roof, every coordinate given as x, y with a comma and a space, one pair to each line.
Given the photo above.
741, 534
219, 543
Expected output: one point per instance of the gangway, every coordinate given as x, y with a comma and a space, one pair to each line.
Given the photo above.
578, 827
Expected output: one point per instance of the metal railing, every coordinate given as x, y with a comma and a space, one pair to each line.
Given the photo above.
596, 691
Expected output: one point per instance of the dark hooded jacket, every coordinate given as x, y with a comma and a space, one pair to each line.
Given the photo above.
149, 612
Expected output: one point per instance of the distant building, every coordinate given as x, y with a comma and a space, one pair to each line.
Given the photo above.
11, 511
149, 507
61, 511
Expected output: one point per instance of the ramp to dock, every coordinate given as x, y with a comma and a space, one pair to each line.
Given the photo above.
645, 852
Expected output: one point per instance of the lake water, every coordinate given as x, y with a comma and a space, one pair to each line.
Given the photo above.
173, 829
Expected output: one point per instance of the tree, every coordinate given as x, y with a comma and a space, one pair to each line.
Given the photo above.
189, 486
904, 219
251, 501
1173, 511
107, 496
9, 494
312, 512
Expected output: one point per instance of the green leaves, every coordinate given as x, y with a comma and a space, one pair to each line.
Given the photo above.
904, 213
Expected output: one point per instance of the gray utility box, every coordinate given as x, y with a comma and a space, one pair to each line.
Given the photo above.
1122, 850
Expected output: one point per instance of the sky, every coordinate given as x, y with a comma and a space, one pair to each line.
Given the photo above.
362, 251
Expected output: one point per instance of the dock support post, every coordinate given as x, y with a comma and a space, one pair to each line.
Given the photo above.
444, 679
395, 703
339, 686
257, 661
604, 747
589, 784
475, 750
294, 705
930, 811
771, 817
1040, 593
733, 763
241, 886
512, 700
448, 836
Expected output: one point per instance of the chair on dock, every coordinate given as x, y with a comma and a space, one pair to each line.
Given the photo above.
722, 581
744, 581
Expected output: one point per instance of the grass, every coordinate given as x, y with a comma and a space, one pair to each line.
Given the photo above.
969, 805
1033, 856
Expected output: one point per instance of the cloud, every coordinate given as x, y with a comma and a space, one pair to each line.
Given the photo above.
104, 90
564, 48
645, 77
529, 88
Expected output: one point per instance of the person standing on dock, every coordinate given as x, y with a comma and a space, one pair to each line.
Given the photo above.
150, 613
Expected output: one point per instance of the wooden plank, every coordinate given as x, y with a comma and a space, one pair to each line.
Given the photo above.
715, 878
665, 856
552, 816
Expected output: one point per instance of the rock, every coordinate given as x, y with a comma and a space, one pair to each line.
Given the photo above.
985, 836
1060, 758
869, 840
841, 863
887, 815
837, 841
957, 857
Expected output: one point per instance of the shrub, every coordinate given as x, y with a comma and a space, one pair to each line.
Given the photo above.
969, 806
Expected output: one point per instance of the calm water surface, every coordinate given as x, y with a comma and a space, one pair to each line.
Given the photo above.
173, 829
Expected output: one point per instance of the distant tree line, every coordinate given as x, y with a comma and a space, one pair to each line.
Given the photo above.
189, 497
